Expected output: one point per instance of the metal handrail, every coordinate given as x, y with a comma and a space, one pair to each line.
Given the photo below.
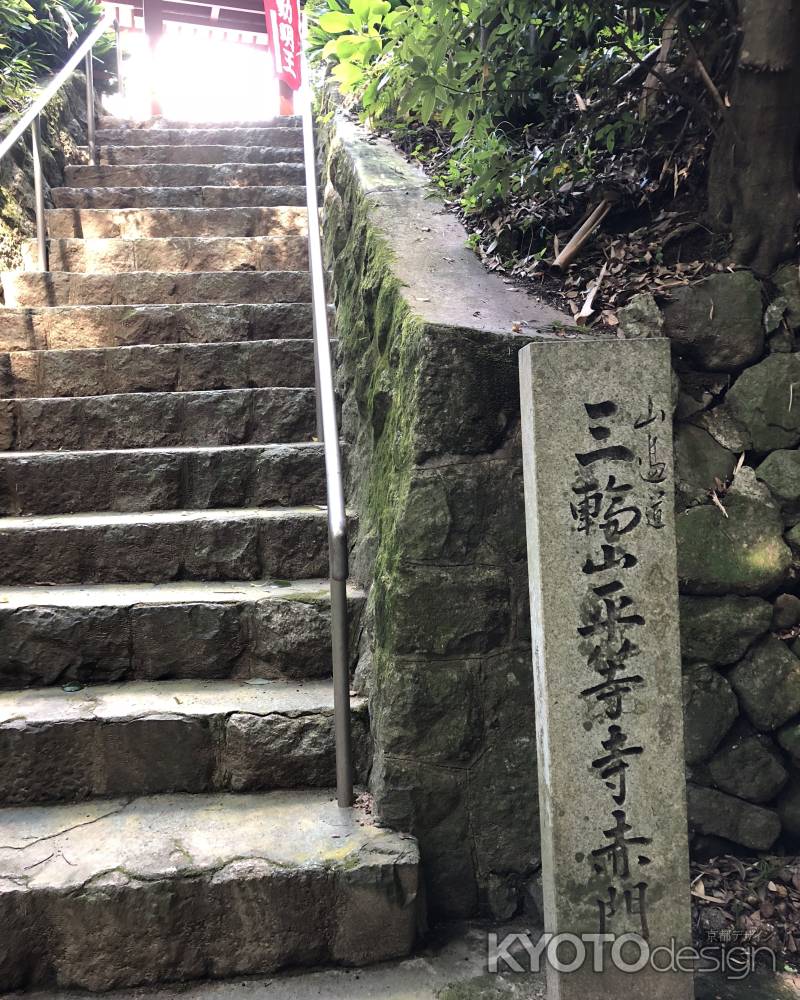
328, 433
32, 119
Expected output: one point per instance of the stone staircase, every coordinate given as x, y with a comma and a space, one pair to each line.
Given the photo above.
166, 731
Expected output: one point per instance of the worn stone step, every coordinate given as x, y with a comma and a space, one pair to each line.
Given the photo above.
157, 368
63, 288
178, 253
130, 153
159, 546
78, 327
71, 482
192, 629
208, 196
135, 223
159, 123
184, 175
274, 136
123, 892
158, 419
156, 737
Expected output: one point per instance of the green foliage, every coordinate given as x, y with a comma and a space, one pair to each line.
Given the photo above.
35, 39
351, 35
499, 77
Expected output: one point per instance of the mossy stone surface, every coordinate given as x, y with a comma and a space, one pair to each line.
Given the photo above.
714, 813
701, 463
741, 553
750, 768
717, 323
720, 630
764, 401
710, 709
781, 473
767, 682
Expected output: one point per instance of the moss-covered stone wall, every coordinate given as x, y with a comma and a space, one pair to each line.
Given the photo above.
63, 130
431, 424
737, 431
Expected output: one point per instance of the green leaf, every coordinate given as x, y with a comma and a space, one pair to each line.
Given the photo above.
360, 8
427, 107
348, 74
335, 22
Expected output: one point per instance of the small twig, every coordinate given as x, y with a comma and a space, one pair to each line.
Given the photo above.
717, 502
668, 35
573, 248
36, 864
588, 306
702, 72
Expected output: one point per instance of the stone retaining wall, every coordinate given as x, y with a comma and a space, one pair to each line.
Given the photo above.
428, 377
737, 427
428, 369
63, 130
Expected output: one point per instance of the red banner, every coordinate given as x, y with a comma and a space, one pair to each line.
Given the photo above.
283, 26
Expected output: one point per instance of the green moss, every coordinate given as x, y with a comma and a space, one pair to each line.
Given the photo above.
483, 988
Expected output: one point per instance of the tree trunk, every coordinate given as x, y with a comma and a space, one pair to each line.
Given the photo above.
753, 185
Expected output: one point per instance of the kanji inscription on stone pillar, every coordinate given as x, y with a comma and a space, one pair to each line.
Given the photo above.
597, 440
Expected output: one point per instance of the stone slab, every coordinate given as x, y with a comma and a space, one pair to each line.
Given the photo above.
134, 223
443, 280
242, 544
156, 368
63, 288
141, 479
599, 483
149, 738
159, 122
176, 253
78, 327
151, 153
202, 196
174, 888
185, 175
188, 629
158, 419
278, 137
449, 965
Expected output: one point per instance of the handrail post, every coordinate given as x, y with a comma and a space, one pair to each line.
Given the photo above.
341, 690
38, 188
90, 109
328, 433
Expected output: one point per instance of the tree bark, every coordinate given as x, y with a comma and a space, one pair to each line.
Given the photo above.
753, 184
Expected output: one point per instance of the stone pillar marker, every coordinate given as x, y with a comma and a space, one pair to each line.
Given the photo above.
597, 443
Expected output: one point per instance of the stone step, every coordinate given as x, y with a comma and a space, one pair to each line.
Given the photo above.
184, 175
130, 153
79, 327
156, 737
158, 420
120, 892
160, 123
207, 196
274, 136
72, 482
158, 368
63, 288
178, 253
159, 546
104, 633
135, 223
